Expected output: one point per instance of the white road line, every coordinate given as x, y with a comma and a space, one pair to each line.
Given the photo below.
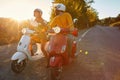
84, 34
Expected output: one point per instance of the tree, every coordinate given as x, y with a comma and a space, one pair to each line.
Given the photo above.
92, 16
8, 31
79, 9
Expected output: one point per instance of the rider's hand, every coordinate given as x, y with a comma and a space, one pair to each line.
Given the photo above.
65, 30
50, 31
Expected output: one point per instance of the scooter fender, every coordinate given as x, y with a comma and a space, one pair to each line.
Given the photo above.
19, 56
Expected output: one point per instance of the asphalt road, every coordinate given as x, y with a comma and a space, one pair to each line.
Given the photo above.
98, 59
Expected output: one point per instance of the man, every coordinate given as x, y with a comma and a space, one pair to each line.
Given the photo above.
63, 20
40, 30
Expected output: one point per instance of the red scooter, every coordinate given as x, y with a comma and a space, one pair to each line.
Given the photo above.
58, 53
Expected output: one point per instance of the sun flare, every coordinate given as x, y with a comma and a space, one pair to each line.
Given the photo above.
21, 10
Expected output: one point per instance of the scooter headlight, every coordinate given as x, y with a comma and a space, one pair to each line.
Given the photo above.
57, 29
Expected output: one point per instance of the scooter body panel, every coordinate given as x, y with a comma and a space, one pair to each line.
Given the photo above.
74, 48
23, 47
23, 43
57, 44
58, 50
19, 56
56, 61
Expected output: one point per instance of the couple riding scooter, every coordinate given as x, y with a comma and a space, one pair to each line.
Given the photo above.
62, 19
60, 47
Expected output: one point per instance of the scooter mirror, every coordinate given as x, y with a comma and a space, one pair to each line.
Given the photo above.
57, 29
75, 20
24, 30
27, 31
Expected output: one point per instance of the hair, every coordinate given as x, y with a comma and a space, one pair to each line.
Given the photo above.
39, 10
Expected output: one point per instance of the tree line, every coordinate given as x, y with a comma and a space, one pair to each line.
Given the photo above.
80, 9
110, 21
10, 29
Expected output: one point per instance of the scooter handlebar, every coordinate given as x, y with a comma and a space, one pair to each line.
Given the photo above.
27, 31
59, 30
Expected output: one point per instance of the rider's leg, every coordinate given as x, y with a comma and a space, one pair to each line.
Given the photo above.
31, 47
43, 43
31, 50
34, 39
70, 41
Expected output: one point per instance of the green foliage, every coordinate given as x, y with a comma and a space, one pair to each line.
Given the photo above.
87, 16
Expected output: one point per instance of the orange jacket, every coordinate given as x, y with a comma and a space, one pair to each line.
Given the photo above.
64, 21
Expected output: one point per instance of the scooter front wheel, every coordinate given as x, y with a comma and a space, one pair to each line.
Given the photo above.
54, 74
18, 67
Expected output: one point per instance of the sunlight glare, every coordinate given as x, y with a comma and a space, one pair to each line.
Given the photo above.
23, 9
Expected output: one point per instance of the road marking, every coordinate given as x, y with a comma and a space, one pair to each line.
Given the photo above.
84, 34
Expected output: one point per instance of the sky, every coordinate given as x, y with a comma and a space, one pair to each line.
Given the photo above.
107, 8
23, 9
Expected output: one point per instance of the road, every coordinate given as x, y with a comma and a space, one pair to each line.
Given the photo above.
98, 59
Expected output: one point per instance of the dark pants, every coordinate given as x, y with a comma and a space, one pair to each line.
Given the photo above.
70, 42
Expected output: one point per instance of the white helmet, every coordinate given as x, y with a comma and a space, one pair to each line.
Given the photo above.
39, 10
60, 7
